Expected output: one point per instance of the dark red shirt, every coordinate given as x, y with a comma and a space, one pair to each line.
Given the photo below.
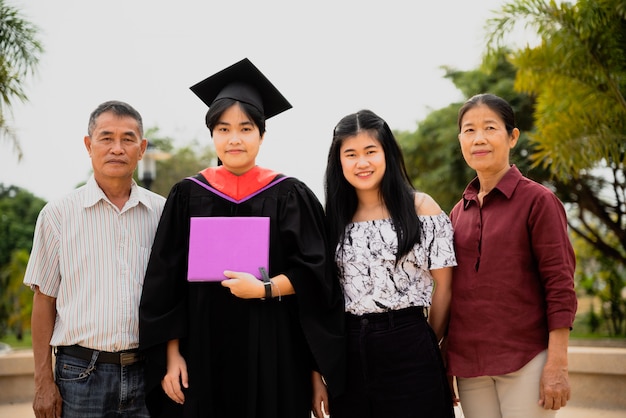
515, 276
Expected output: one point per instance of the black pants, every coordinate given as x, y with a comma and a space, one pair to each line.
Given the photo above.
395, 369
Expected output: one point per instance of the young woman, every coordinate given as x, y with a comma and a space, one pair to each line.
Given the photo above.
513, 291
394, 258
240, 346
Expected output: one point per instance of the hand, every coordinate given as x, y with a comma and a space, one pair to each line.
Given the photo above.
455, 397
443, 346
320, 396
48, 402
554, 388
176, 374
243, 285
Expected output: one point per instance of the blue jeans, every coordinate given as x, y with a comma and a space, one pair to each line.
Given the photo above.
100, 390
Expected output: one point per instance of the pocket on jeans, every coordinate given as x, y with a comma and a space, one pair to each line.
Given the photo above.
68, 370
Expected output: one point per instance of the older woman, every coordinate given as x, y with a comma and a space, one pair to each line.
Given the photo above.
513, 300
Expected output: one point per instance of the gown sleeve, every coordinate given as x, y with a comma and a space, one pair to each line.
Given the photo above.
320, 299
162, 310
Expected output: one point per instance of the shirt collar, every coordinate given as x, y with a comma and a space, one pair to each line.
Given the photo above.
94, 194
506, 186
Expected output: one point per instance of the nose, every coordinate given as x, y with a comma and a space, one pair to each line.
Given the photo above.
234, 138
479, 135
117, 147
362, 161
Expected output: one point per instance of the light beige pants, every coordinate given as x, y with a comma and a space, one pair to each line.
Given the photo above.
513, 395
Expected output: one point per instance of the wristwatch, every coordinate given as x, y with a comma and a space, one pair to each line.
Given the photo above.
266, 283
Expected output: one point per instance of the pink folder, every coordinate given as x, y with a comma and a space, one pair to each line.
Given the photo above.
227, 243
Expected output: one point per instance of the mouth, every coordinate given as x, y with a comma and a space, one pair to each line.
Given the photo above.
364, 174
480, 153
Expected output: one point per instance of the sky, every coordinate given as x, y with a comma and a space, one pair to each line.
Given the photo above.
329, 58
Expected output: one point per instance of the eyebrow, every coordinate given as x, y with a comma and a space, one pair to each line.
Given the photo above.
366, 147
129, 132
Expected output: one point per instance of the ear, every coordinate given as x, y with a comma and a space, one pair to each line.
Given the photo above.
514, 137
144, 146
87, 141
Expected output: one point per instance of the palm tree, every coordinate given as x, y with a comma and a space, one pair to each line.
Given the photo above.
19, 56
577, 74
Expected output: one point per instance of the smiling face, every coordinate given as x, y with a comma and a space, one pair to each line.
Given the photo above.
363, 161
115, 146
237, 140
485, 142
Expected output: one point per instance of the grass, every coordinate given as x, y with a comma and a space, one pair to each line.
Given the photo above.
12, 340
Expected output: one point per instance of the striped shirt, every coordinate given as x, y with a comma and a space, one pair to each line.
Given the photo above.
92, 258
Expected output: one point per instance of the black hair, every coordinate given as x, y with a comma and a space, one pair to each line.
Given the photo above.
396, 189
118, 108
493, 102
219, 106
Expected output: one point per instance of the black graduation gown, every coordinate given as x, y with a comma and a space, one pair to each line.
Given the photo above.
245, 358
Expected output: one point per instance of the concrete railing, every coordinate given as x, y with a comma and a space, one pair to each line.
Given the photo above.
16, 376
597, 377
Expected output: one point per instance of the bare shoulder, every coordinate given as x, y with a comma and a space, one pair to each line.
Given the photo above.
426, 205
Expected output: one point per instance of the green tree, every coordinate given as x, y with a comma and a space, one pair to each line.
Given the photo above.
19, 56
577, 74
16, 298
602, 278
587, 173
432, 152
18, 214
182, 162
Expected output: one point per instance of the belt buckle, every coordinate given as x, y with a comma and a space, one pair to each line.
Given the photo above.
126, 359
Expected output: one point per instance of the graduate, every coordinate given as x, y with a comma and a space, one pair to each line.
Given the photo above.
245, 344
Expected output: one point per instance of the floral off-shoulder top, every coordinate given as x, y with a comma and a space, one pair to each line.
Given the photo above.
370, 279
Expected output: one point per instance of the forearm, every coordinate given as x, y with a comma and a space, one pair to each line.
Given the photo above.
281, 286
42, 325
439, 313
558, 341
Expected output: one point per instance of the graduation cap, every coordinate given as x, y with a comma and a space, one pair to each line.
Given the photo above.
243, 82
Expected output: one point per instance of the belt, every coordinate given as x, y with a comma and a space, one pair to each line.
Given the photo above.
409, 313
123, 358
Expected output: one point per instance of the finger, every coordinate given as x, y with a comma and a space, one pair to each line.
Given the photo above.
548, 402
178, 392
230, 274
58, 409
169, 387
184, 377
